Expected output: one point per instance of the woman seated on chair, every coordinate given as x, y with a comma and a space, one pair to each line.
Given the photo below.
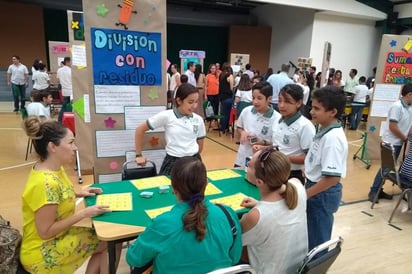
51, 244
195, 235
275, 229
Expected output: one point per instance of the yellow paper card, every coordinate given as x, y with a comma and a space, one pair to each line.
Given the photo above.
211, 189
153, 213
222, 174
151, 182
232, 201
116, 202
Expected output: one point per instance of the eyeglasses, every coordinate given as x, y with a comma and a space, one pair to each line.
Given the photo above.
264, 155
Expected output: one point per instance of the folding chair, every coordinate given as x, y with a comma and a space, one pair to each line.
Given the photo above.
29, 146
130, 170
390, 171
210, 118
242, 268
320, 265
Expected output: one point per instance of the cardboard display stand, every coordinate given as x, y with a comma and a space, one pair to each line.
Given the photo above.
186, 56
118, 80
393, 70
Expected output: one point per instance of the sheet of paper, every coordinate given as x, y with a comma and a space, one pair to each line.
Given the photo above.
232, 201
384, 126
134, 116
116, 202
380, 108
108, 178
86, 98
222, 174
110, 143
211, 189
113, 99
151, 182
59, 61
387, 92
79, 55
157, 156
153, 213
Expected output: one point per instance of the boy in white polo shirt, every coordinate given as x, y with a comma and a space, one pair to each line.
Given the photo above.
325, 164
400, 121
255, 122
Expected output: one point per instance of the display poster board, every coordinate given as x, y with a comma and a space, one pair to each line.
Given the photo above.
118, 80
393, 70
304, 63
186, 56
57, 52
327, 51
239, 60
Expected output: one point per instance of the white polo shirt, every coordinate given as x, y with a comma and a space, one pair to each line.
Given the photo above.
18, 74
361, 91
327, 155
294, 136
181, 131
400, 113
40, 79
64, 74
260, 125
38, 109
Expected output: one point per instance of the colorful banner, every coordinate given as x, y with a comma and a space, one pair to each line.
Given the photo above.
77, 25
398, 67
122, 57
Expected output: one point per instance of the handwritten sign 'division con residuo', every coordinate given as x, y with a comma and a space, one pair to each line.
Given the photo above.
123, 57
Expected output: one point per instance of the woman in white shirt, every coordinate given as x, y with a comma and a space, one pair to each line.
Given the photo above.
274, 244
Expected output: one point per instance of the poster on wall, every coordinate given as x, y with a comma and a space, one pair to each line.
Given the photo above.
304, 63
397, 68
186, 56
240, 60
77, 25
327, 51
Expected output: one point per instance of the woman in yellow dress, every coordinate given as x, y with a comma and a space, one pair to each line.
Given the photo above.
51, 244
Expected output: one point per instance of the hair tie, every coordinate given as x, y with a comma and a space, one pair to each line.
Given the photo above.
195, 198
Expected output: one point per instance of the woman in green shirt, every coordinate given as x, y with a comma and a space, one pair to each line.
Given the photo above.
195, 235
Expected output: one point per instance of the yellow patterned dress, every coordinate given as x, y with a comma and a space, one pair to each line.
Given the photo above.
69, 249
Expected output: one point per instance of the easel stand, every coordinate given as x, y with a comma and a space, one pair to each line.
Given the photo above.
363, 150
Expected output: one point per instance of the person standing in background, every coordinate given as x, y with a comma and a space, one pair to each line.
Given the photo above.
18, 79
352, 81
248, 71
225, 95
212, 88
190, 72
200, 85
41, 78
278, 81
64, 74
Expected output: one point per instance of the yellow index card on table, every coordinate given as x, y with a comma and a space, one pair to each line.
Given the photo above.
153, 213
232, 201
116, 202
222, 174
151, 182
211, 189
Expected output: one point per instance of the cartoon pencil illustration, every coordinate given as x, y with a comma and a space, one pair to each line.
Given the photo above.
126, 11
408, 45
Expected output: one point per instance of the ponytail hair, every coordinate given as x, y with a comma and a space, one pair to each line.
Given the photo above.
290, 195
189, 179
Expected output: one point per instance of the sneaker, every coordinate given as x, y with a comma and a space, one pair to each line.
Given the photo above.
383, 195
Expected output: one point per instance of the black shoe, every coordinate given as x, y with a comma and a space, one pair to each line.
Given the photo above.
16, 110
383, 195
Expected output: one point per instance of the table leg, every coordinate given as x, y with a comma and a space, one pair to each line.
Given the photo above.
111, 249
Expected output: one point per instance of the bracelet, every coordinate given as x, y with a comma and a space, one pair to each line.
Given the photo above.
138, 155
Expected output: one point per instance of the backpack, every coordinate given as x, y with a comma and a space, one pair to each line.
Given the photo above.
10, 241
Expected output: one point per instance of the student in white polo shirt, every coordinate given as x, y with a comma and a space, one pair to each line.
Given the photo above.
41, 105
399, 122
184, 129
325, 164
255, 122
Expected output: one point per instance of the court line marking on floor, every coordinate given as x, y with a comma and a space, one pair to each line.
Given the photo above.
17, 166
10, 128
223, 145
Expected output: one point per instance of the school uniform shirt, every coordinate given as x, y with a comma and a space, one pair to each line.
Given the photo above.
260, 125
181, 131
278, 245
18, 74
401, 114
361, 91
191, 77
175, 250
293, 136
328, 153
38, 109
41, 80
64, 74
244, 95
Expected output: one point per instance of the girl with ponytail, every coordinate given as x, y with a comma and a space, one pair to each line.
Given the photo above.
195, 235
275, 229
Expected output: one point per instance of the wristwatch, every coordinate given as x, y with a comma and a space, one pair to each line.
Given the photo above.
138, 155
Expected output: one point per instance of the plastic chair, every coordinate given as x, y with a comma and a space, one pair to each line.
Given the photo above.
390, 171
138, 172
214, 117
321, 264
242, 268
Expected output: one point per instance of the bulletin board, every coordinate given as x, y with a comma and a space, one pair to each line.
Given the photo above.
123, 80
239, 59
393, 70
57, 52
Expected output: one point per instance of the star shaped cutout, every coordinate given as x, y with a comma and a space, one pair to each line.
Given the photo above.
372, 128
393, 43
153, 94
75, 24
109, 122
101, 10
154, 141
